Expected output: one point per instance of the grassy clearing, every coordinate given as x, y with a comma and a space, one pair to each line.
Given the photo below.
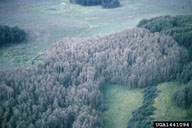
120, 103
165, 108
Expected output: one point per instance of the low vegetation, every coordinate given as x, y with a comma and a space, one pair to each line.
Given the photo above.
103, 3
119, 102
11, 35
64, 90
166, 109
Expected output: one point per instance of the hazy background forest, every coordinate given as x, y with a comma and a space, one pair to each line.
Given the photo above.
95, 64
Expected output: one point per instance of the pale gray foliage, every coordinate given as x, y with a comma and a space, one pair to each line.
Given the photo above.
64, 91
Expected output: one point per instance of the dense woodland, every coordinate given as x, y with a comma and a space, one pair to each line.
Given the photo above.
103, 3
64, 90
180, 28
11, 35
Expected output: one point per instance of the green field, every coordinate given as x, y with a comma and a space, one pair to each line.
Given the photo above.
165, 108
120, 102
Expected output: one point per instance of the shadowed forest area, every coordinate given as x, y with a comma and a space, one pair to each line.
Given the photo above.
11, 35
94, 73
179, 27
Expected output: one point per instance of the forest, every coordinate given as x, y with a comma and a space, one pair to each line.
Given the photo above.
74, 55
180, 28
64, 90
11, 35
103, 3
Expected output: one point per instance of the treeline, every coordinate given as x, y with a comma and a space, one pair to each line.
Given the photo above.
110, 3
134, 58
141, 116
179, 27
186, 74
11, 35
182, 97
64, 90
103, 3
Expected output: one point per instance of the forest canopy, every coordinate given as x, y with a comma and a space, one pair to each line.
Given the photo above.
103, 3
64, 90
179, 27
11, 35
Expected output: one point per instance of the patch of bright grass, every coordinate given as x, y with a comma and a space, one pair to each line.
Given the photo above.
120, 102
166, 110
